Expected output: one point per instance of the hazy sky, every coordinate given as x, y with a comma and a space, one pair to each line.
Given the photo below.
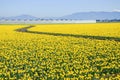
50, 8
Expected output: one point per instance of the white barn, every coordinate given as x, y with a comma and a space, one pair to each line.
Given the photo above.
43, 21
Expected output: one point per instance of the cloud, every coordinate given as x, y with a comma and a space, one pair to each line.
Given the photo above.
116, 10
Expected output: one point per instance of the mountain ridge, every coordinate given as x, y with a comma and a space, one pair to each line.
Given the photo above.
93, 15
101, 15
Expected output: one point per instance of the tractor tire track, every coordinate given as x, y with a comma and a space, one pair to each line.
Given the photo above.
25, 30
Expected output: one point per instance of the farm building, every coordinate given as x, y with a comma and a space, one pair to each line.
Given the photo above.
43, 21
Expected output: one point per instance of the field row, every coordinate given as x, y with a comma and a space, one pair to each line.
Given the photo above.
37, 55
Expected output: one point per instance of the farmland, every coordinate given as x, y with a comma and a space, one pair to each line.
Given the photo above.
60, 51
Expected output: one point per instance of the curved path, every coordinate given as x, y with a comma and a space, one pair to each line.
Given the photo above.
25, 29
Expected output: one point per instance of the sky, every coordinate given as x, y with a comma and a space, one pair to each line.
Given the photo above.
55, 8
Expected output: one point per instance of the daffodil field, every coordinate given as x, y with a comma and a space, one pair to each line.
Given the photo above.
60, 52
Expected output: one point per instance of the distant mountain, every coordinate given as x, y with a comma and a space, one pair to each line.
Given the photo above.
79, 15
1, 18
21, 17
25, 17
93, 15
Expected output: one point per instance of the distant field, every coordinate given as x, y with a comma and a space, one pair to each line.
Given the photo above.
99, 29
60, 51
